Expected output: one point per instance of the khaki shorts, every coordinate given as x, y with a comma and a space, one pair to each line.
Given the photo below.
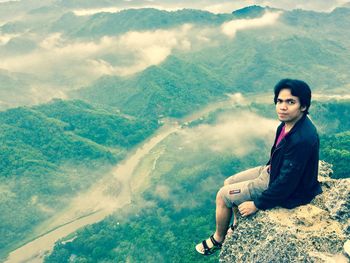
245, 186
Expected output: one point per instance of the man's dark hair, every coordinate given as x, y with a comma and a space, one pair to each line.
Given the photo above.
297, 88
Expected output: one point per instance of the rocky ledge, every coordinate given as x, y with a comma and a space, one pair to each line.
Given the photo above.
317, 232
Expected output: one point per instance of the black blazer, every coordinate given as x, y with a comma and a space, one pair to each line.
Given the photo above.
294, 168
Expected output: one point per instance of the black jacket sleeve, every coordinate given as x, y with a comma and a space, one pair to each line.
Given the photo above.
294, 161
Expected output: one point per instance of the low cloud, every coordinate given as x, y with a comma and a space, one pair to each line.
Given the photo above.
37, 95
162, 191
152, 48
5, 38
230, 28
238, 133
226, 7
88, 12
60, 64
81, 62
237, 98
88, 59
325, 97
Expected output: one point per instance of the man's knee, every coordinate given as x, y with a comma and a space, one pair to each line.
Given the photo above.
220, 199
226, 182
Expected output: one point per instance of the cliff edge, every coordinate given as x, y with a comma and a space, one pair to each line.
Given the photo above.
316, 232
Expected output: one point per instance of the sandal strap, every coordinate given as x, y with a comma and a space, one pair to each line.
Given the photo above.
205, 246
208, 251
215, 243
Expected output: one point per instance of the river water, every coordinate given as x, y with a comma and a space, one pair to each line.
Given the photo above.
35, 250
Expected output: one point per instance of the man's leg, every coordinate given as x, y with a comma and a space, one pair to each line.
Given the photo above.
228, 197
245, 175
223, 218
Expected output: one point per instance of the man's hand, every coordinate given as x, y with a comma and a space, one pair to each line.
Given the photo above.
247, 208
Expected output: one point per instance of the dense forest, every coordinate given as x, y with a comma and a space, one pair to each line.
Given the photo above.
52, 151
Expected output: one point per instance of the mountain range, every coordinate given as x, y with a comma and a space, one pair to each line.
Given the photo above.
292, 46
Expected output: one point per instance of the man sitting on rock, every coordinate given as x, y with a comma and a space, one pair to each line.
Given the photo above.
289, 179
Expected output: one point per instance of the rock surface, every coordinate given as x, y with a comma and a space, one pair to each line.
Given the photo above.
315, 232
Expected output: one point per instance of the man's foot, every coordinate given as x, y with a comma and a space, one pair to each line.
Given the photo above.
209, 246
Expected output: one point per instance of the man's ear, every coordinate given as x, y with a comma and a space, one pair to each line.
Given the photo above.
303, 108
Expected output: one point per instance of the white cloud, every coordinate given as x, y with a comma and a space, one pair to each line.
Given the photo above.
163, 191
237, 98
89, 60
52, 41
230, 28
226, 7
319, 96
153, 47
88, 12
235, 133
62, 64
37, 95
5, 38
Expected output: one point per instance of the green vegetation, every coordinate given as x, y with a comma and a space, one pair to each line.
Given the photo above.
105, 126
103, 24
158, 91
52, 152
174, 213
336, 150
30, 138
331, 118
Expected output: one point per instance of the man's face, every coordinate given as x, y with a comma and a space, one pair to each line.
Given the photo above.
288, 107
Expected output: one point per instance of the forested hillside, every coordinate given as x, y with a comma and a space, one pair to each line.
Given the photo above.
291, 48
195, 48
175, 89
51, 152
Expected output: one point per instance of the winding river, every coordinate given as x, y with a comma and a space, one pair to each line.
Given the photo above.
35, 250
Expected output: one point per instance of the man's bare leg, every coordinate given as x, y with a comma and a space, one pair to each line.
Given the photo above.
223, 218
